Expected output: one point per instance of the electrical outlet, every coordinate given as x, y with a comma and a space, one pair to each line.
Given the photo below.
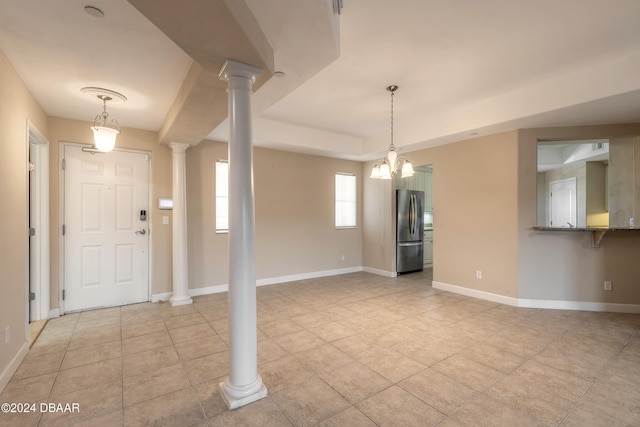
343, 257
7, 335
165, 220
478, 274
607, 285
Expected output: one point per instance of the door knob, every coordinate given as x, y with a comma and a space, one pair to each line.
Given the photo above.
143, 231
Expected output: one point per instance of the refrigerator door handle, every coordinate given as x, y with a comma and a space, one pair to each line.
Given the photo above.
405, 244
411, 214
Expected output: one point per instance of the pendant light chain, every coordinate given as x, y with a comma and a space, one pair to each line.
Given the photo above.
392, 89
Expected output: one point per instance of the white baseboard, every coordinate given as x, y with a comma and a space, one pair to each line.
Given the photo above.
540, 303
305, 276
475, 293
273, 281
580, 305
54, 313
379, 272
161, 297
13, 366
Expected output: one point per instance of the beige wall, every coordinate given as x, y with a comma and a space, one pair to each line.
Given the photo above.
17, 106
475, 213
74, 131
563, 266
294, 209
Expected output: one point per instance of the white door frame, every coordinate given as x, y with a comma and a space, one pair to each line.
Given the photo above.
61, 206
573, 181
39, 260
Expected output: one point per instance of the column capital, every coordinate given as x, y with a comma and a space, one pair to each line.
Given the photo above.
178, 147
233, 68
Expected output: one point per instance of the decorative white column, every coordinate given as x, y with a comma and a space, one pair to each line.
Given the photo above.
180, 258
244, 384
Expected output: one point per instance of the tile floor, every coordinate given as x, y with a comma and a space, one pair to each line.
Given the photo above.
352, 350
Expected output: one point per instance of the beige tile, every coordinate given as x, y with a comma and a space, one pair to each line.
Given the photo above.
21, 419
153, 384
28, 389
351, 417
283, 372
110, 419
101, 398
396, 407
298, 341
552, 380
269, 350
493, 357
357, 346
209, 394
136, 330
200, 347
263, 413
393, 365
180, 408
140, 317
323, 357
93, 337
184, 320
309, 401
423, 351
91, 354
584, 365
602, 406
484, 411
167, 311
193, 332
355, 381
468, 372
280, 328
146, 342
208, 367
81, 377
33, 366
146, 361
332, 331
441, 392
537, 404
50, 344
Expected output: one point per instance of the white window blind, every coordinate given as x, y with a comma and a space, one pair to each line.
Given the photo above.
222, 196
345, 201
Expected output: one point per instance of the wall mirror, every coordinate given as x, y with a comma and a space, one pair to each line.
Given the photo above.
587, 183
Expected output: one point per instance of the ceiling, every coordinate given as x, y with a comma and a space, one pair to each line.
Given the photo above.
463, 67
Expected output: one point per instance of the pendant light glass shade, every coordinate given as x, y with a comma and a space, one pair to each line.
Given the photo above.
104, 137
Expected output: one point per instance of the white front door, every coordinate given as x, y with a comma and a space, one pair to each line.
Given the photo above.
106, 257
562, 203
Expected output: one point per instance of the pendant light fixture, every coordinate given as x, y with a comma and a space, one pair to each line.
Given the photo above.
389, 165
105, 129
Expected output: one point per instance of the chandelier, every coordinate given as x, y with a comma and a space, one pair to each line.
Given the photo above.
391, 163
105, 129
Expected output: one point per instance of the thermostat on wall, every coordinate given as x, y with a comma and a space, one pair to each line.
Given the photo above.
165, 203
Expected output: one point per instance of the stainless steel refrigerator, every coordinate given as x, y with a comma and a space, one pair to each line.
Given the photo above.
409, 230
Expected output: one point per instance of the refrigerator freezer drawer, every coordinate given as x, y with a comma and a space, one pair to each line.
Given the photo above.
409, 257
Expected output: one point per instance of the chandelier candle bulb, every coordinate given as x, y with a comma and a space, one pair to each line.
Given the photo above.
387, 167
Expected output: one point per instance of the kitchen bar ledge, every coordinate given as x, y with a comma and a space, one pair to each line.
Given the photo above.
597, 233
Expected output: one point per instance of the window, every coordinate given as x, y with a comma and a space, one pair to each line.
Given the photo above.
222, 196
345, 201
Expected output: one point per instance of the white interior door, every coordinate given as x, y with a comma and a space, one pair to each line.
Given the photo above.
106, 239
562, 203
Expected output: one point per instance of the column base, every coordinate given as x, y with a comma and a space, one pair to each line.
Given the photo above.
176, 301
236, 397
